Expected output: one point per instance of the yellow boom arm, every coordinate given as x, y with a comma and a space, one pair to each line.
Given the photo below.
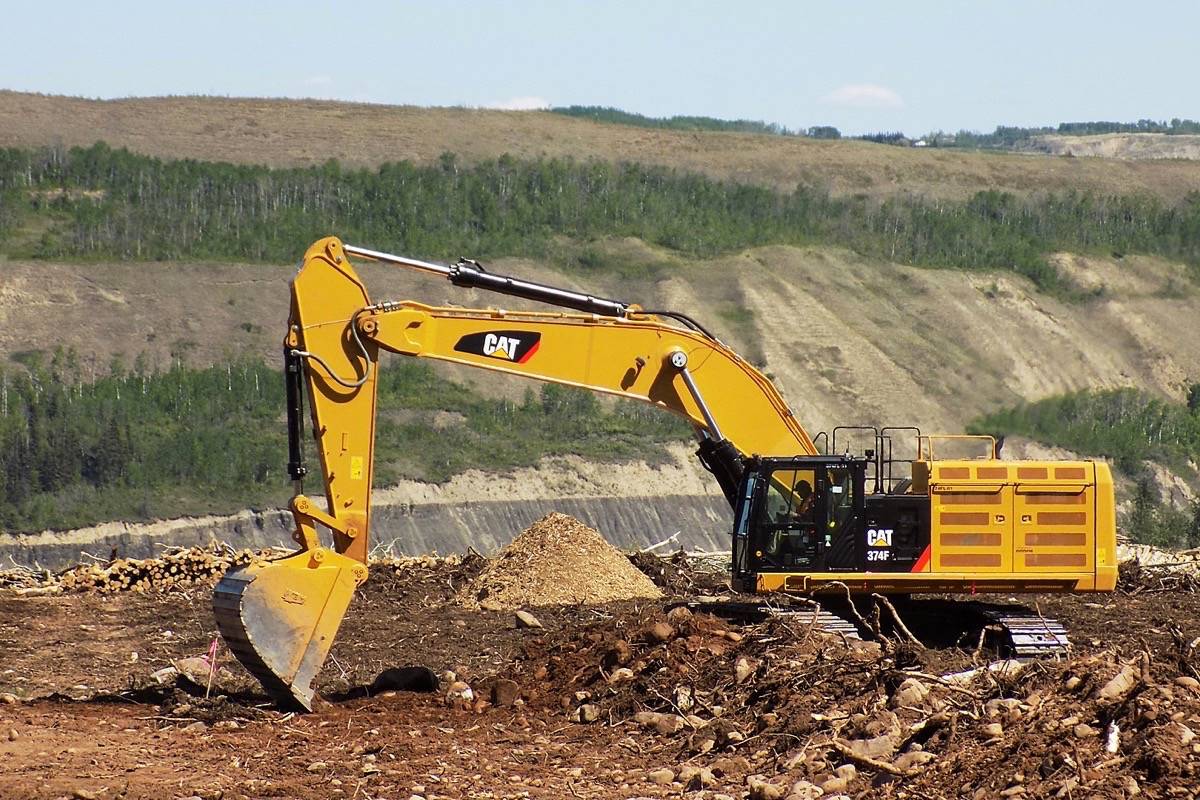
639, 357
334, 337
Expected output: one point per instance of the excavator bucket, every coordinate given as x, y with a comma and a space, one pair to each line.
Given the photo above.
280, 617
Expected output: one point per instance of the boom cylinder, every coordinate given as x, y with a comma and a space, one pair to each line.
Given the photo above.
470, 275
293, 374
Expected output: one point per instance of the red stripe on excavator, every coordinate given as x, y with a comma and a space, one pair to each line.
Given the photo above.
532, 350
922, 562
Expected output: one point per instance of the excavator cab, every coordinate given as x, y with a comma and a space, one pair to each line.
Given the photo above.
802, 514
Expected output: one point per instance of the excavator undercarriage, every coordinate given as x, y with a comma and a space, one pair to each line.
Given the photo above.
1011, 631
805, 522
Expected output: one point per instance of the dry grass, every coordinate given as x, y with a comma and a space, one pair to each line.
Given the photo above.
301, 132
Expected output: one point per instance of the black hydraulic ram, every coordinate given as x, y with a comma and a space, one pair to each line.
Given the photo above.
293, 375
472, 275
719, 456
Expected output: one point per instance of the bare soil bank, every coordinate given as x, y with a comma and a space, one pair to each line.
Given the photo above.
879, 344
702, 522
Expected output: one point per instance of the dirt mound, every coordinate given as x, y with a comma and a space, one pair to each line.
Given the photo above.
557, 561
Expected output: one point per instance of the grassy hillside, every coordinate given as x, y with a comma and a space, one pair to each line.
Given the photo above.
301, 133
848, 338
814, 284
101, 202
676, 123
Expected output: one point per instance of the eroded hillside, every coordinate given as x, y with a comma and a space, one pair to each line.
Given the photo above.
1120, 145
848, 339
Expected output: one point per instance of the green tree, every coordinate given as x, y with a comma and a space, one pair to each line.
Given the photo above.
1193, 398
1141, 521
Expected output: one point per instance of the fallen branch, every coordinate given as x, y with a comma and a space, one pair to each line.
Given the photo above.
867, 761
983, 632
952, 686
674, 537
899, 622
850, 602
38, 591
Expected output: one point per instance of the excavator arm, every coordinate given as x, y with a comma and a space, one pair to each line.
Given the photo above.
279, 618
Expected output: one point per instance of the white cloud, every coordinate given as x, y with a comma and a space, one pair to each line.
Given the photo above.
864, 95
521, 104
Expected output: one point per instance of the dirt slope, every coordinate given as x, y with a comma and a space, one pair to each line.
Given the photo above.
847, 339
298, 132
1120, 145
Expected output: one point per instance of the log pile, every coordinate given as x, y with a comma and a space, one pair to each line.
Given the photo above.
174, 569
177, 568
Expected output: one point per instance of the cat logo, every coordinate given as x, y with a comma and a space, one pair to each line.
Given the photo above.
500, 346
514, 346
879, 537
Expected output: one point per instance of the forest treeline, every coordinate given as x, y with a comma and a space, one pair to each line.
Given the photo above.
676, 123
1130, 427
137, 444
98, 202
1002, 137
1008, 136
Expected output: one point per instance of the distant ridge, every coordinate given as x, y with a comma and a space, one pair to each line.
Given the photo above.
303, 132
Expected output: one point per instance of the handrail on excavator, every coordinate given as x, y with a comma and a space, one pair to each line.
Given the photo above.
925, 444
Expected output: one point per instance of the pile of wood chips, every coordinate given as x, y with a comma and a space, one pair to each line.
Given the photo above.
557, 561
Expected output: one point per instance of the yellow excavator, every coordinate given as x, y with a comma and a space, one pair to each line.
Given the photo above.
804, 519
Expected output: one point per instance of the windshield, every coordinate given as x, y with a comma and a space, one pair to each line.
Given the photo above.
787, 527
840, 503
790, 495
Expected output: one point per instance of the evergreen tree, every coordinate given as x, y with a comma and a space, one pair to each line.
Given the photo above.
1193, 398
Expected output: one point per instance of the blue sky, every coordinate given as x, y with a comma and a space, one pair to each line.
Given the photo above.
914, 65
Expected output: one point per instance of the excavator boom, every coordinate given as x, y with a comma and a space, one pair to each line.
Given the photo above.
280, 617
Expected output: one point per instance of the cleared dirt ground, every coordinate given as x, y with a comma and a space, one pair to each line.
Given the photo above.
91, 724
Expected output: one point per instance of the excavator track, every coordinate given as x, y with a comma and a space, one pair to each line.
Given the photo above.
819, 616
1024, 633
1019, 632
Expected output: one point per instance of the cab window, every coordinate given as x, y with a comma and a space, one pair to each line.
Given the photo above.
788, 524
839, 500
790, 496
